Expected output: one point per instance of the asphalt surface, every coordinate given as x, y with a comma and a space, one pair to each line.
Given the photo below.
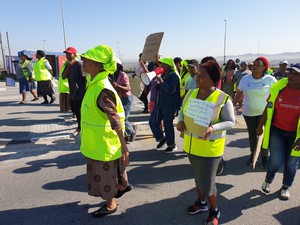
43, 175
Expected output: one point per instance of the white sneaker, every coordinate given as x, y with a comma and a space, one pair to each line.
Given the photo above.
284, 194
266, 187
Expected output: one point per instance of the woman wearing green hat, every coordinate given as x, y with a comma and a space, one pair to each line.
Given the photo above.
168, 102
102, 129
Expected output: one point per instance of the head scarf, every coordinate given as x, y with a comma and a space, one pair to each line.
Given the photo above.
169, 61
102, 54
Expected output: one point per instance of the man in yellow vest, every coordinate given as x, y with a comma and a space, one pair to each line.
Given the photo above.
102, 130
25, 76
43, 75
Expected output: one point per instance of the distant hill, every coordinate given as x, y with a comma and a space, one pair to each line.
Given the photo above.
274, 59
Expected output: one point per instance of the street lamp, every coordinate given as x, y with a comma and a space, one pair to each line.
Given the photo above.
225, 42
63, 22
119, 51
44, 45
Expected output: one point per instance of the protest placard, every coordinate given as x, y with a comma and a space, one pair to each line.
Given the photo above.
198, 116
151, 46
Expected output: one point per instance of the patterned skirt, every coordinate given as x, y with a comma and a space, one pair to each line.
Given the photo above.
44, 88
103, 178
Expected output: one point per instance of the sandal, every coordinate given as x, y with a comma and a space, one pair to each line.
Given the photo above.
103, 211
121, 193
35, 99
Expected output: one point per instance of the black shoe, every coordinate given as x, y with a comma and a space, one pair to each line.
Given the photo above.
250, 161
52, 100
120, 193
264, 162
44, 102
161, 143
103, 211
197, 208
171, 149
127, 139
213, 217
221, 167
145, 111
132, 136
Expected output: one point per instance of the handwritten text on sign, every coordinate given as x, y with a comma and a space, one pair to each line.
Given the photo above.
200, 111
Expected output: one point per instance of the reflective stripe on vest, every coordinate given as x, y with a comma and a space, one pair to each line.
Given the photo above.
98, 140
40, 71
213, 147
63, 84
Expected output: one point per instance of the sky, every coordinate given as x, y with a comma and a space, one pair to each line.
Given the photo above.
192, 29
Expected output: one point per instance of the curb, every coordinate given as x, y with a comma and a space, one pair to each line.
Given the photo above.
140, 126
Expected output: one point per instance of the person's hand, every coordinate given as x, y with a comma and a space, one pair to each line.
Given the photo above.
159, 79
207, 133
235, 111
259, 130
125, 156
114, 84
296, 145
180, 126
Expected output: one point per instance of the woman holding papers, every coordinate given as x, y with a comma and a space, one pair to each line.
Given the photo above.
204, 141
282, 130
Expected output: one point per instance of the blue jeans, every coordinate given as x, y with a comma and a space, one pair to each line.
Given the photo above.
280, 153
167, 116
127, 103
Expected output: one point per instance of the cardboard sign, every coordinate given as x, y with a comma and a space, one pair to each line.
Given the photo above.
198, 116
258, 149
151, 46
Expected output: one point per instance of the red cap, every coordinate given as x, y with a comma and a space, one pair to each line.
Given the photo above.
265, 61
71, 50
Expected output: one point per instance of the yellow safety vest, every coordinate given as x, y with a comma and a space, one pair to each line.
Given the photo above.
214, 146
63, 84
40, 71
182, 82
25, 70
98, 140
274, 91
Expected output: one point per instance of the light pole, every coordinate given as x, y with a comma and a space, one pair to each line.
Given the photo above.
63, 23
44, 45
119, 51
225, 42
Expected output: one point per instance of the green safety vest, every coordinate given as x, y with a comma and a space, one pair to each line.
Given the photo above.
214, 146
40, 71
63, 84
182, 83
274, 91
98, 140
25, 70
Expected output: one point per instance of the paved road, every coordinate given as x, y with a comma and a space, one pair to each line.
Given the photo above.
43, 182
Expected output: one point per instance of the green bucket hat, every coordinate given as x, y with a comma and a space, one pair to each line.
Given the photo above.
102, 54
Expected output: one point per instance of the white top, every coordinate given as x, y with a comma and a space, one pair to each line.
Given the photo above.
256, 92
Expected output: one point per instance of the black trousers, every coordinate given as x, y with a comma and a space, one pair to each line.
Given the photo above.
144, 97
252, 123
75, 108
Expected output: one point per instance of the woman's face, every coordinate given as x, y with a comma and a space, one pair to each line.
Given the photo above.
87, 65
202, 79
294, 78
258, 67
